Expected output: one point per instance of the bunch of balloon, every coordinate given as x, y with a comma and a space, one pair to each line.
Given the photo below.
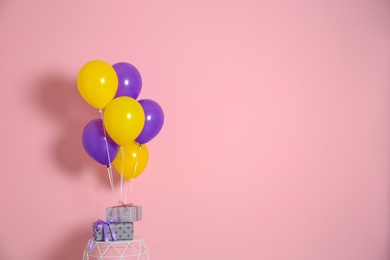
126, 124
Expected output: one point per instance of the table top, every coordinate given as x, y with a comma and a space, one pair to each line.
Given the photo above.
135, 239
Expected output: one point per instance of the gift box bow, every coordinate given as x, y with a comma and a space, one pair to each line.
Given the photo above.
122, 204
104, 226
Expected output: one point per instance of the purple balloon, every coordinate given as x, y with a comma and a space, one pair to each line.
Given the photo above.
95, 143
154, 120
129, 80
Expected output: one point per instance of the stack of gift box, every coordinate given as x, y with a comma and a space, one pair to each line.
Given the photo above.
119, 224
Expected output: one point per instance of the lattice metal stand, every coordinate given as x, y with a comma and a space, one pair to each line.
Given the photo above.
117, 250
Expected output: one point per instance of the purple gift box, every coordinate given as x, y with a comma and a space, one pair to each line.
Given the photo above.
124, 213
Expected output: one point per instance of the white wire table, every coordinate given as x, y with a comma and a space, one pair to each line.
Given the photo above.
117, 250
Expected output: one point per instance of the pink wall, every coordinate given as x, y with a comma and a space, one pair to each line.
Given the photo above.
276, 141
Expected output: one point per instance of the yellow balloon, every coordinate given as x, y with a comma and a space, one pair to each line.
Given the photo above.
131, 160
97, 82
124, 119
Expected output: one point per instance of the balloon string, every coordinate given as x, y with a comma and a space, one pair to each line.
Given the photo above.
123, 166
136, 160
109, 167
130, 185
129, 189
109, 171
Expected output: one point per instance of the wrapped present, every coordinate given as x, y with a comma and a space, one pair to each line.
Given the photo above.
111, 231
124, 213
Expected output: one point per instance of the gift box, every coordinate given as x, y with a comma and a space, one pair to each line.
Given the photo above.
107, 231
124, 213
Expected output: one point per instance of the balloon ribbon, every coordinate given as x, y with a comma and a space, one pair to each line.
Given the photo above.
109, 167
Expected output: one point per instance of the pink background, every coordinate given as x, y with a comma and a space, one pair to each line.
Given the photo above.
276, 140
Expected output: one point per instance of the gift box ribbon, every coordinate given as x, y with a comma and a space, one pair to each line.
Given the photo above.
104, 226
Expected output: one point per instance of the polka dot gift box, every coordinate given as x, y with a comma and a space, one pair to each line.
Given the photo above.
106, 231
